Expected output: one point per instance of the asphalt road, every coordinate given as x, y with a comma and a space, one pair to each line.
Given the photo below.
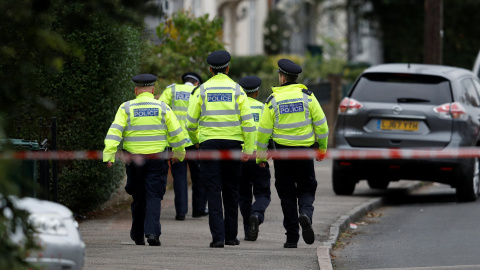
427, 229
185, 243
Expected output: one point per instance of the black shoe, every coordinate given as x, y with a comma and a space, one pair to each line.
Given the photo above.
290, 245
307, 230
180, 217
153, 240
218, 244
253, 231
199, 214
247, 238
139, 242
234, 242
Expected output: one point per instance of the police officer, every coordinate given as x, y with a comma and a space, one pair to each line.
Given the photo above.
177, 97
145, 125
253, 176
295, 120
219, 118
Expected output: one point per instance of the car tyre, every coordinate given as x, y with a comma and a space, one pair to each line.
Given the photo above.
374, 183
342, 185
469, 183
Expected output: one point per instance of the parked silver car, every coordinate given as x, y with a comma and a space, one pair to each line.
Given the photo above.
410, 106
58, 235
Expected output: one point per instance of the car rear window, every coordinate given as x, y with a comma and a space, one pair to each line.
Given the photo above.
402, 88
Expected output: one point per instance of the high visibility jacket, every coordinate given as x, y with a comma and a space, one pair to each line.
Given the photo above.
292, 117
256, 107
145, 125
177, 96
221, 110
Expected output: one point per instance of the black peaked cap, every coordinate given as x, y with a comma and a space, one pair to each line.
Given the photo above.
250, 83
144, 79
218, 59
192, 75
288, 67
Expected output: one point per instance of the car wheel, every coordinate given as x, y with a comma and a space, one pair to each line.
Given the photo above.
378, 183
469, 183
342, 184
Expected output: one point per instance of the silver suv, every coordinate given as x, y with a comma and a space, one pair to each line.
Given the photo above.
409, 106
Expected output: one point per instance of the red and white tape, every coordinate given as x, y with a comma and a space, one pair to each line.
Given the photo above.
463, 152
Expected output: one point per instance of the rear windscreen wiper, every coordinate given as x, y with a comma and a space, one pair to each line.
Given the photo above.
411, 100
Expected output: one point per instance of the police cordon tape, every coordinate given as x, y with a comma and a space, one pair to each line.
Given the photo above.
350, 154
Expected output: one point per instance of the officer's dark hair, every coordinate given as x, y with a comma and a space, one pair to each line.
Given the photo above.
191, 80
289, 78
220, 70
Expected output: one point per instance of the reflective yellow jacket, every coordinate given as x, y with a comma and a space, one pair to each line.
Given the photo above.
145, 125
177, 97
256, 107
220, 110
293, 117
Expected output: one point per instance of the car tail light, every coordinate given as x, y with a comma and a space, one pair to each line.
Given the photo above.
451, 111
349, 105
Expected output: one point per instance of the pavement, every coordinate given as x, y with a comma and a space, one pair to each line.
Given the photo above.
185, 244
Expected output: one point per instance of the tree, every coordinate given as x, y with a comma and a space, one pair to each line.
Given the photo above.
401, 29
185, 42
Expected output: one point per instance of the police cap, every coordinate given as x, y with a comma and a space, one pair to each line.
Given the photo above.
250, 83
218, 59
144, 79
288, 67
192, 75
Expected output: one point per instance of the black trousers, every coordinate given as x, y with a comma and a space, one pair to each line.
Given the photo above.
296, 186
146, 183
199, 194
255, 182
221, 182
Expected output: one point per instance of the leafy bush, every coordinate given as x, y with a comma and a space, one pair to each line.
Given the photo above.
186, 41
83, 88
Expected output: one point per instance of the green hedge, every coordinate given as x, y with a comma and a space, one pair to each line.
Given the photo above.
91, 82
92, 91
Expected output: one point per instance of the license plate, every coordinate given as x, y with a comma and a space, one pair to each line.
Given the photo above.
398, 125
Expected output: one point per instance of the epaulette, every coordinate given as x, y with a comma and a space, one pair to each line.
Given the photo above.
193, 91
168, 86
268, 99
306, 91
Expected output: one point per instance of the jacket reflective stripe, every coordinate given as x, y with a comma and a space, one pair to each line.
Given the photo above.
294, 125
176, 132
320, 122
220, 112
146, 138
249, 129
265, 130
191, 119
127, 111
146, 127
180, 108
172, 102
322, 136
246, 117
113, 137
262, 145
181, 117
192, 129
177, 144
293, 137
117, 126
219, 124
